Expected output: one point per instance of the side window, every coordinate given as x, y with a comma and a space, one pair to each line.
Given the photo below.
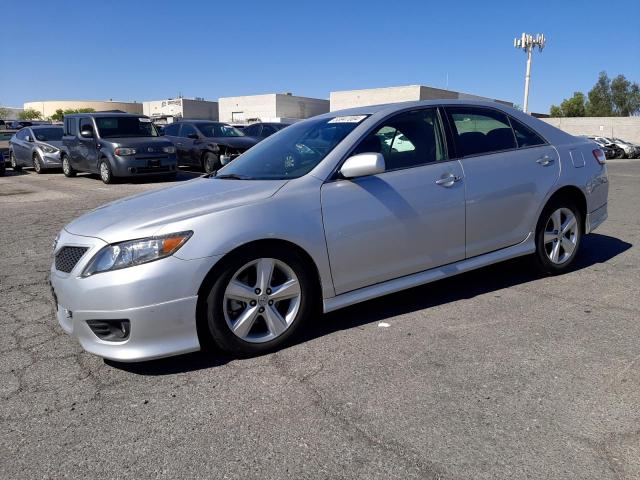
524, 135
172, 129
252, 130
22, 134
267, 130
85, 123
407, 140
187, 129
70, 126
480, 130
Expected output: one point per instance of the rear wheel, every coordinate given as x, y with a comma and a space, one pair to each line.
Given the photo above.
106, 174
259, 302
558, 236
67, 169
210, 162
14, 163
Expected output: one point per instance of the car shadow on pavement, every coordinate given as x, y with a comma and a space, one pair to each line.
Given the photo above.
595, 249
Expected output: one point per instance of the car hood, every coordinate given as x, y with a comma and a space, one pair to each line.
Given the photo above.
138, 142
234, 142
145, 214
53, 143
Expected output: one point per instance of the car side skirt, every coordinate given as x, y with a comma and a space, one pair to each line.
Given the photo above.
527, 246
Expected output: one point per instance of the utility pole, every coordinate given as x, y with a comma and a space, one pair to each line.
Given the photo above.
528, 43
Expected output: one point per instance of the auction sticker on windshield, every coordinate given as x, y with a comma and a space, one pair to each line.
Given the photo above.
348, 119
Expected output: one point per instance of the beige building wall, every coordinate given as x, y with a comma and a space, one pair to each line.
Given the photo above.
269, 107
182, 107
49, 107
410, 93
625, 128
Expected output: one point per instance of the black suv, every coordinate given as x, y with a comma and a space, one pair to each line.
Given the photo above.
115, 145
207, 144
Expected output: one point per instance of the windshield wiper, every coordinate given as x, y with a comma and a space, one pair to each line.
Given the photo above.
232, 176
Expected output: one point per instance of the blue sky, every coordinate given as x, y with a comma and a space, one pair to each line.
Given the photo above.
144, 50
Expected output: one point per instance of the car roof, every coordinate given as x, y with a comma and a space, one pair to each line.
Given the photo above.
105, 114
47, 125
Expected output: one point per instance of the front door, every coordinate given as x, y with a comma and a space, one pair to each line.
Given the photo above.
409, 218
87, 152
509, 170
188, 135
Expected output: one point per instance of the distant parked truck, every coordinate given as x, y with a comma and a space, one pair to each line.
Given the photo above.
115, 145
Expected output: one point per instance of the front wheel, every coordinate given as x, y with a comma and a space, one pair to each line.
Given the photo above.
259, 302
14, 163
210, 162
558, 236
106, 174
37, 164
67, 169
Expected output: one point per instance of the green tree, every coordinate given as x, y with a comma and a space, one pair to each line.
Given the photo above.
4, 113
625, 96
29, 114
59, 115
570, 107
600, 103
555, 111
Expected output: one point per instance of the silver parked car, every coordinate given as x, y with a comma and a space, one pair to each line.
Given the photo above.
331, 211
37, 146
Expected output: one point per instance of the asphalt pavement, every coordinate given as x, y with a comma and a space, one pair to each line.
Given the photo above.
495, 374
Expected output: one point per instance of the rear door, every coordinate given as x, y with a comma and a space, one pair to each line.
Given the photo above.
508, 171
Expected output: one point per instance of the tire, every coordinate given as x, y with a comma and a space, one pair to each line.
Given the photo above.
270, 323
37, 164
170, 177
562, 244
14, 164
210, 162
106, 174
3, 170
67, 169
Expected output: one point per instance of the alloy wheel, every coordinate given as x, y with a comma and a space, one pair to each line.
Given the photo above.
262, 300
37, 166
561, 235
66, 168
13, 160
105, 174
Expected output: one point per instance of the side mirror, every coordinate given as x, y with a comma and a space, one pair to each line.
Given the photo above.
29, 138
86, 133
362, 165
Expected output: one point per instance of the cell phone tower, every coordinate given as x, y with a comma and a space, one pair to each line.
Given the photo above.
528, 43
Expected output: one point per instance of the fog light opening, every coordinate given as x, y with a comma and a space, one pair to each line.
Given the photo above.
110, 330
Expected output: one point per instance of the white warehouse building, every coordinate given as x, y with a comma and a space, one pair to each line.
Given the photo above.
271, 107
176, 108
376, 96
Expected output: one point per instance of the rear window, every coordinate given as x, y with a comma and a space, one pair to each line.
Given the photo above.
525, 136
481, 130
114, 127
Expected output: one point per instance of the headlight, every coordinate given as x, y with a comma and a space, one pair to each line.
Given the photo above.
121, 151
135, 252
48, 148
169, 149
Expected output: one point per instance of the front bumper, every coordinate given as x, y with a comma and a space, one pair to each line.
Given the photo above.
158, 298
51, 160
133, 165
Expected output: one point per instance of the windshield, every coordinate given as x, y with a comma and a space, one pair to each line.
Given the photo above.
113, 127
218, 130
48, 134
294, 151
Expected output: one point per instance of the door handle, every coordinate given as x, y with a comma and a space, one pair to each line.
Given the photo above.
448, 180
544, 161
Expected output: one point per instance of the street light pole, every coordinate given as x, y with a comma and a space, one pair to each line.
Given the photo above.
528, 43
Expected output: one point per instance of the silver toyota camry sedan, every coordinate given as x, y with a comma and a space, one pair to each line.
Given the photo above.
331, 211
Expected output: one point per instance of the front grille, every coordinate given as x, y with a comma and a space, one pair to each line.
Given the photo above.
68, 257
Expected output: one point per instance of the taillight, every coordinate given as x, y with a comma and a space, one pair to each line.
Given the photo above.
599, 156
